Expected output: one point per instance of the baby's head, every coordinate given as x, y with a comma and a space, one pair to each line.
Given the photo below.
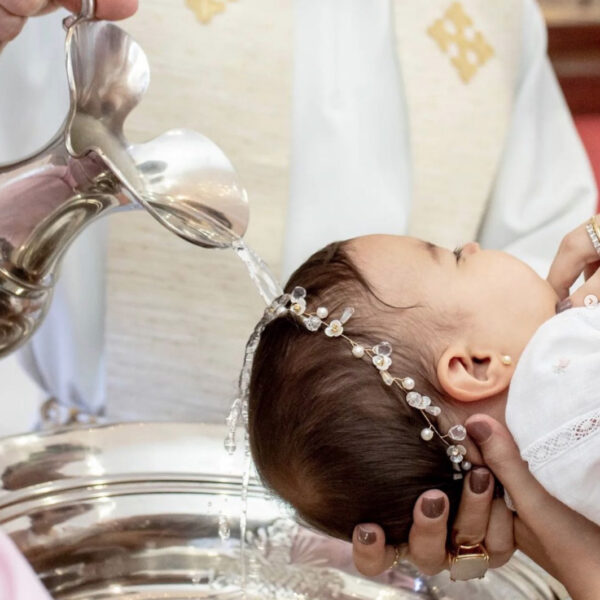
327, 434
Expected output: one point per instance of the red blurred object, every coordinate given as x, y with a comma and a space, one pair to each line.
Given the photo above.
574, 49
589, 130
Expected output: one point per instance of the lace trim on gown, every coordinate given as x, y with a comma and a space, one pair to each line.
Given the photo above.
561, 440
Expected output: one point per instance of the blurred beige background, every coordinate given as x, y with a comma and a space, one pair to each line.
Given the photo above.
178, 315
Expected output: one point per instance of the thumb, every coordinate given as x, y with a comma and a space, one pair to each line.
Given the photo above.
371, 556
105, 9
501, 455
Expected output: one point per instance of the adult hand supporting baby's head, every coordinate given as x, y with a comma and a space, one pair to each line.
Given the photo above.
480, 518
14, 13
570, 548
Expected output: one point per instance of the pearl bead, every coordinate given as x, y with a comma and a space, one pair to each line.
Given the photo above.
408, 383
427, 434
322, 312
466, 465
358, 351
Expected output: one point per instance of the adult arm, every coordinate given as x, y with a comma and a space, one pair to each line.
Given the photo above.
544, 184
570, 549
14, 13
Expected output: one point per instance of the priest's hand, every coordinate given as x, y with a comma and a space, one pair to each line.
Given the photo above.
14, 13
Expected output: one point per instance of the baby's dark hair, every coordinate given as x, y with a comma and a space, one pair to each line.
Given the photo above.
326, 434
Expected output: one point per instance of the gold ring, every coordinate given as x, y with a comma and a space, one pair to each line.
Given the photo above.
593, 231
399, 554
468, 562
595, 226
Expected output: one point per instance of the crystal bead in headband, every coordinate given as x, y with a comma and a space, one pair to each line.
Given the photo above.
312, 323
383, 349
415, 400
346, 314
298, 296
456, 453
382, 355
334, 329
388, 379
457, 433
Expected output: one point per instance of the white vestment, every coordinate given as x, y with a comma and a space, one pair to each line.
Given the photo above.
553, 408
351, 171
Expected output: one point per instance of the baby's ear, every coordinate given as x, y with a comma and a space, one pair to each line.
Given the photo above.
469, 375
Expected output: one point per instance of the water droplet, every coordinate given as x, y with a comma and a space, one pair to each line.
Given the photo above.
230, 445
224, 530
266, 283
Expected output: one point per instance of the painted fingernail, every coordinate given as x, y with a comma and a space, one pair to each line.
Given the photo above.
366, 536
480, 431
432, 508
563, 305
479, 480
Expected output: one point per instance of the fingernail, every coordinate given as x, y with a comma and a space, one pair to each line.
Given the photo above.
480, 431
432, 508
479, 480
563, 305
365, 536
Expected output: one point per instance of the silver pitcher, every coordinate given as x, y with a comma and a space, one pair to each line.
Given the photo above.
89, 169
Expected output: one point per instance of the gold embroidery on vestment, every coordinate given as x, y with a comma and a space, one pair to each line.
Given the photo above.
456, 36
205, 10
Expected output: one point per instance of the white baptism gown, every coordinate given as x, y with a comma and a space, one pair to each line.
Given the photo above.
553, 408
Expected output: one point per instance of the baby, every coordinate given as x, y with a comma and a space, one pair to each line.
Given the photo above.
354, 413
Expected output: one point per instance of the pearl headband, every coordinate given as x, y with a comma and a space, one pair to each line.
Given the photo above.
381, 357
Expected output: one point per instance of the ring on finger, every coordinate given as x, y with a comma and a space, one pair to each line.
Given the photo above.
593, 231
468, 561
399, 555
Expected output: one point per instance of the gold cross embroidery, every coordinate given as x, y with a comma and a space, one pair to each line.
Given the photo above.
205, 10
468, 50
